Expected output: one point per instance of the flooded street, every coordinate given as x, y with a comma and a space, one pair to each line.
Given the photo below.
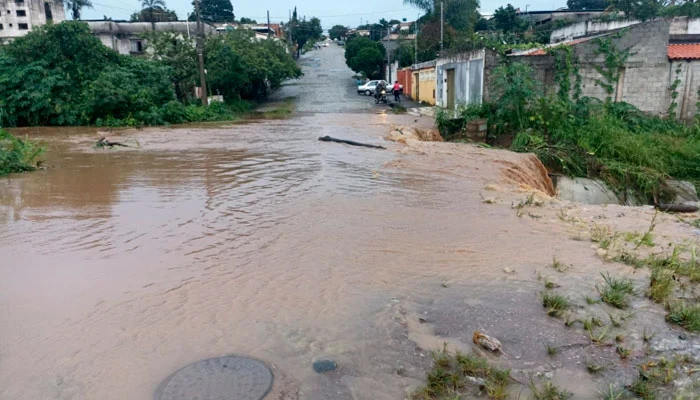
120, 267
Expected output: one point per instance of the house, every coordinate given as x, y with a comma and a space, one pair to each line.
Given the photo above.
18, 17
423, 82
460, 79
128, 37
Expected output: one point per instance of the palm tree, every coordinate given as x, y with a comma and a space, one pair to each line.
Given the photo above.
426, 5
75, 6
149, 7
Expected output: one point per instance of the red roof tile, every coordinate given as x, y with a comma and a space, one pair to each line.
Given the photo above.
690, 51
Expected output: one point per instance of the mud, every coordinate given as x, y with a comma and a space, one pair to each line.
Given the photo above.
122, 266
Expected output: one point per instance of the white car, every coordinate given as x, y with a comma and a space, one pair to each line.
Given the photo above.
369, 87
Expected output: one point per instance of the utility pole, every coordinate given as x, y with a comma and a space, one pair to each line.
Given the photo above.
388, 52
415, 42
268, 24
200, 55
442, 27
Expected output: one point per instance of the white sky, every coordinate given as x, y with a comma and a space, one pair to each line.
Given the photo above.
349, 13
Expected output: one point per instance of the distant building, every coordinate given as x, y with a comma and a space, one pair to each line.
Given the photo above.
127, 37
19, 17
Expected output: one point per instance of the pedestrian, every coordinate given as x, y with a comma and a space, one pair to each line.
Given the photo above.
397, 91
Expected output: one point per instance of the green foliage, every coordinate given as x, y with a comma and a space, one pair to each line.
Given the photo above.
639, 9
515, 89
62, 75
586, 5
241, 68
365, 56
304, 31
178, 53
674, 92
154, 14
247, 21
446, 380
338, 32
687, 316
506, 19
614, 61
615, 291
213, 11
76, 7
17, 155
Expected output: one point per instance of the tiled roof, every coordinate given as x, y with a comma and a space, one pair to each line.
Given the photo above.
690, 51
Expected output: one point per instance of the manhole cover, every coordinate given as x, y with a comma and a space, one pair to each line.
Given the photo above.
224, 378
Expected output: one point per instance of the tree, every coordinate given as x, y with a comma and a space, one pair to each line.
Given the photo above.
247, 21
365, 56
338, 32
149, 8
506, 19
639, 9
215, 11
303, 31
586, 5
76, 6
240, 67
179, 53
459, 14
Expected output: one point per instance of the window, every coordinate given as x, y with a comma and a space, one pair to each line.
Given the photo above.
137, 46
48, 12
21, 13
23, 27
19, 1
0, 27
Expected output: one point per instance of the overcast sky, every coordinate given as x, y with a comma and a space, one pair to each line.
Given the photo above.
349, 13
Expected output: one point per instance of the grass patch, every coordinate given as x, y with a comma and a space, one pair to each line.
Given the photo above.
643, 389
613, 392
615, 291
594, 368
547, 390
17, 155
684, 315
661, 285
554, 303
558, 265
453, 373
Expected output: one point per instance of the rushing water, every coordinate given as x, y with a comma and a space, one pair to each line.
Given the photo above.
118, 267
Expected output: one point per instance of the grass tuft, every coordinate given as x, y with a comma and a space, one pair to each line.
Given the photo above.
615, 291
684, 315
547, 390
554, 303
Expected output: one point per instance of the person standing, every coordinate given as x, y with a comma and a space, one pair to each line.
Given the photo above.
397, 91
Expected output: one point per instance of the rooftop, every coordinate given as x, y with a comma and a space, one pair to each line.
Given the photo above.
689, 51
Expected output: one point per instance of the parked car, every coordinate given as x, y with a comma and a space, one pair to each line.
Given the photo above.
369, 87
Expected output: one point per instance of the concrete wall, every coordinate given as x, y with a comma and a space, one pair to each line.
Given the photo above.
469, 68
119, 36
645, 78
688, 88
35, 16
405, 77
423, 89
588, 28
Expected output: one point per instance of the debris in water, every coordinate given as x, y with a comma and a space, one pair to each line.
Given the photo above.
350, 142
103, 142
487, 342
324, 365
508, 270
444, 284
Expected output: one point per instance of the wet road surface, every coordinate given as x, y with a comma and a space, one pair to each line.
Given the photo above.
120, 267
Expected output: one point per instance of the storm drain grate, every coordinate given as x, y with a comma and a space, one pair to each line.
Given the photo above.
223, 378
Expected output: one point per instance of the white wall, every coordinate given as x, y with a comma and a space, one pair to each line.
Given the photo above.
588, 28
35, 16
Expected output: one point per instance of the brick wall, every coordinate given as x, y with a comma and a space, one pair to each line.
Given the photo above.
645, 77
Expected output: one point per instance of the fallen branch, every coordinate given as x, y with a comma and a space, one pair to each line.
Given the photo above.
350, 142
677, 208
103, 142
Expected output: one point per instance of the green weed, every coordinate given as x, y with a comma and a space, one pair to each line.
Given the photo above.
17, 155
547, 390
684, 315
558, 265
554, 303
661, 285
615, 291
613, 392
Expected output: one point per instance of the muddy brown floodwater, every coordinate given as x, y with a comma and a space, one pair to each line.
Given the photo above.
120, 267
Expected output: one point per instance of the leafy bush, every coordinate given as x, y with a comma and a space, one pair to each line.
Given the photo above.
17, 155
365, 56
616, 142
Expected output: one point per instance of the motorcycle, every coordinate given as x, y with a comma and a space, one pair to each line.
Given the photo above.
381, 97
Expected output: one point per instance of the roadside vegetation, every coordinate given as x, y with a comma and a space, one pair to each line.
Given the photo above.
584, 137
17, 155
62, 75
